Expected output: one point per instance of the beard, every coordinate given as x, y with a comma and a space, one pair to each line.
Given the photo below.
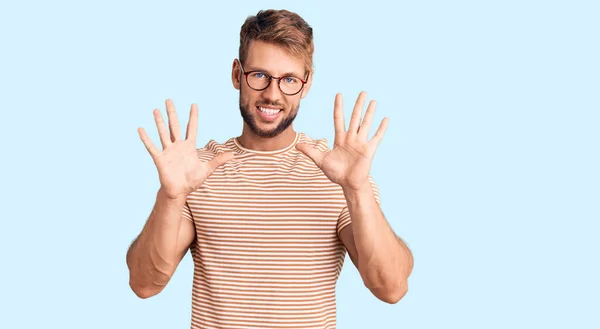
246, 113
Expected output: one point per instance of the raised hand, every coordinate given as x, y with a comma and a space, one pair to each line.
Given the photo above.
179, 169
349, 162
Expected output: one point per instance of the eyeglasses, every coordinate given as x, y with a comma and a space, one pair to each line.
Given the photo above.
259, 80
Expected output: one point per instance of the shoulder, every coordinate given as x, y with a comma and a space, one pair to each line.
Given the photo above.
212, 148
320, 144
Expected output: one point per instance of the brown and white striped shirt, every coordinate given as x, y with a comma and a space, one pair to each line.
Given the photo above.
267, 252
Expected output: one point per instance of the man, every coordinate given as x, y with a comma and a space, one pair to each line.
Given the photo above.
269, 215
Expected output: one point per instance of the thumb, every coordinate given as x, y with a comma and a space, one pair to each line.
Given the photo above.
219, 160
311, 152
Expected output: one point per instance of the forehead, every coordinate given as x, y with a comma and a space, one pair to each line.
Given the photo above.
274, 59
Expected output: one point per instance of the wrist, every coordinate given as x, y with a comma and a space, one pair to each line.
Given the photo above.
357, 192
175, 199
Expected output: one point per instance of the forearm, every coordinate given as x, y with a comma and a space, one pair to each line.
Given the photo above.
153, 256
384, 261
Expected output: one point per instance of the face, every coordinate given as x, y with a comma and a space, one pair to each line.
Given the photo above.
269, 112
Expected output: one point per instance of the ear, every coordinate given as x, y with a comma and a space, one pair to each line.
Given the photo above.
308, 83
235, 74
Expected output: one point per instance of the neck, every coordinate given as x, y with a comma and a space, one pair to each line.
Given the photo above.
251, 141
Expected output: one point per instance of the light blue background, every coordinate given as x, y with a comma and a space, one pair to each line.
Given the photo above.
489, 167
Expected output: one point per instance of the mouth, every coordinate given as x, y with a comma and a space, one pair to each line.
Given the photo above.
269, 113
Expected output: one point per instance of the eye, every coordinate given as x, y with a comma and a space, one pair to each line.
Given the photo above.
290, 80
259, 75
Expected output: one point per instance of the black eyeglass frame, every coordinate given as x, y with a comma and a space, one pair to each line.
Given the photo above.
271, 79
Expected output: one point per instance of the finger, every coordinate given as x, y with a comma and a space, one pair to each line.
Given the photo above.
163, 133
356, 113
173, 122
219, 160
315, 155
365, 126
154, 152
379, 133
192, 126
338, 116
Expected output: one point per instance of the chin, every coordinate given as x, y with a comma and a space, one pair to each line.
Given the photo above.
266, 133
264, 126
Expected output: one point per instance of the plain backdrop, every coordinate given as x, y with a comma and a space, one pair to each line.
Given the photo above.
488, 170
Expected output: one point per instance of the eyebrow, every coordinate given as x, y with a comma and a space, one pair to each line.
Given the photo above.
254, 68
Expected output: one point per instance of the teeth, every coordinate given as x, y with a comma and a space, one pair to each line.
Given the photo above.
269, 111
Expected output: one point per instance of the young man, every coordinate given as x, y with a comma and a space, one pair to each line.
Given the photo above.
269, 215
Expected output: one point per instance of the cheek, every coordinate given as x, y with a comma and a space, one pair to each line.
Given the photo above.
246, 98
294, 105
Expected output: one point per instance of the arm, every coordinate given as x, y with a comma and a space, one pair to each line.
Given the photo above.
164, 240
383, 260
158, 250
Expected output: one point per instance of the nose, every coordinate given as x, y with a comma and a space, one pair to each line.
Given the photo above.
272, 92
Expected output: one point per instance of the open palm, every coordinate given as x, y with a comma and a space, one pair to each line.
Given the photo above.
349, 162
180, 170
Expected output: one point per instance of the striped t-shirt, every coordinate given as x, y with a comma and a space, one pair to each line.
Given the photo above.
267, 252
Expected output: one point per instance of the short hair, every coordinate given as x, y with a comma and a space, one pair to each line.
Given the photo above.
282, 28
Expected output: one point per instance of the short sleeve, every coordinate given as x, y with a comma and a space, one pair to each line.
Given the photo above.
187, 212
344, 218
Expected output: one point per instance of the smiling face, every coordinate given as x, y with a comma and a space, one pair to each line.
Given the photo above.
269, 112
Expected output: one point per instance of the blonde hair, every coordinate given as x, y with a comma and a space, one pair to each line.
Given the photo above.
282, 28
